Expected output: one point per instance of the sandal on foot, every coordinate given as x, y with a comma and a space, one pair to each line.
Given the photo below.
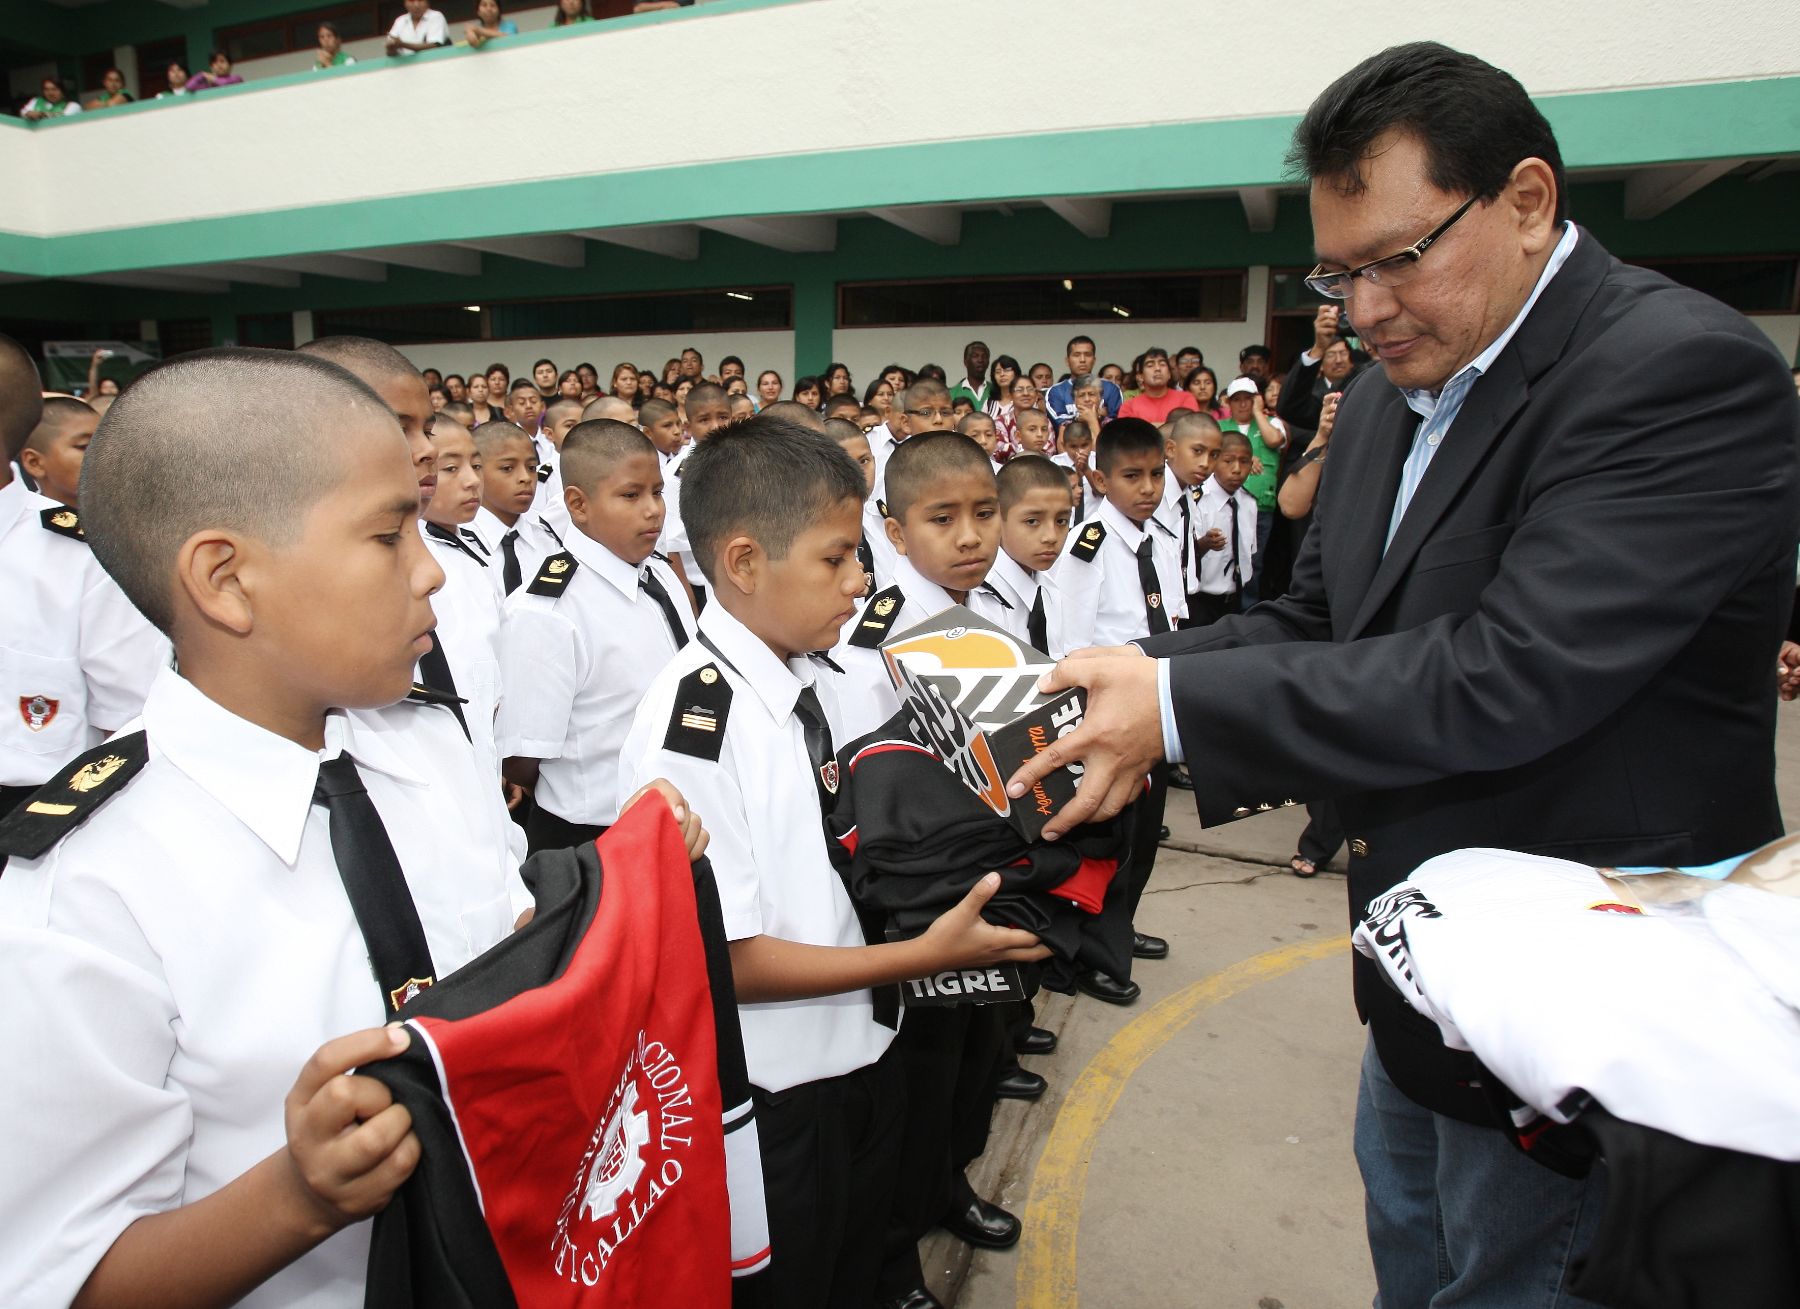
1303, 867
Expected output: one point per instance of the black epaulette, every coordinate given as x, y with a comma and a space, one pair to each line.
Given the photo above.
70, 798
697, 720
62, 520
989, 589
1092, 536
544, 471
881, 508
877, 618
553, 577
422, 694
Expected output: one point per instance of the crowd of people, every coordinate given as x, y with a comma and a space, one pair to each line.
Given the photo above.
681, 577
419, 28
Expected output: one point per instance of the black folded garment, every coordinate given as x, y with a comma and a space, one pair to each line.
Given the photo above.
911, 840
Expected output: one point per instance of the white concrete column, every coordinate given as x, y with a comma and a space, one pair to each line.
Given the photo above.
303, 328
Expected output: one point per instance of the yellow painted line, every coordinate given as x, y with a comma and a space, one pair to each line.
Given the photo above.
1046, 1276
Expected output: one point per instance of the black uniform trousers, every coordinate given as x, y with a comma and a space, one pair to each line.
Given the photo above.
830, 1157
950, 1060
1146, 831
545, 831
1205, 609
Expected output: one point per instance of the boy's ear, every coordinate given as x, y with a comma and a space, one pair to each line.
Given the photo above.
32, 461
1099, 482
576, 500
208, 569
741, 564
896, 534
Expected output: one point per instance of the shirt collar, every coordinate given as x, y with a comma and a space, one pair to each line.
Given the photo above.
265, 781
491, 529
589, 553
920, 590
776, 683
14, 501
1008, 573
1128, 532
1424, 403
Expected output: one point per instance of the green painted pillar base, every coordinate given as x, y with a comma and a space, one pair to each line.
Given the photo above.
815, 314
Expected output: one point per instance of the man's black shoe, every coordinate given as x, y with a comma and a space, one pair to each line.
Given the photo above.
918, 1298
984, 1224
1162, 833
1148, 947
1180, 778
1036, 1040
1104, 986
1021, 1085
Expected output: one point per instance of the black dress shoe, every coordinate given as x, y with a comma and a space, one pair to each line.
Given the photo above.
1021, 1085
984, 1224
1036, 1041
1180, 778
918, 1298
1148, 947
1104, 986
1162, 833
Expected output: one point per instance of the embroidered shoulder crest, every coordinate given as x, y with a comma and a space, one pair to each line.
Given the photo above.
1088, 543
697, 718
553, 577
62, 520
877, 618
70, 798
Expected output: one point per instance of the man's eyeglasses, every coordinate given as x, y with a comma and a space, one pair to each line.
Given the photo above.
932, 413
1391, 270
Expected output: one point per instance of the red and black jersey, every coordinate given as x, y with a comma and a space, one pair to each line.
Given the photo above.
911, 840
579, 1090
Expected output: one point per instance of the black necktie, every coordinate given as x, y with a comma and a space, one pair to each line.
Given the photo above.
652, 586
1237, 571
510, 575
1187, 540
1037, 626
1153, 600
450, 536
434, 671
379, 897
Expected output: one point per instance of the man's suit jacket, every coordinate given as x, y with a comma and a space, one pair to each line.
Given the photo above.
1569, 647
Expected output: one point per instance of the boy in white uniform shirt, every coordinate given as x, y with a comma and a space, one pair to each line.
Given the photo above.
583, 639
707, 409
742, 717
1225, 518
1020, 593
420, 28
516, 538
1120, 576
1190, 445
176, 940
76, 659
560, 418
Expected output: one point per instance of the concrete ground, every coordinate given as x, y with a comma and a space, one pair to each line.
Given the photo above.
1193, 1150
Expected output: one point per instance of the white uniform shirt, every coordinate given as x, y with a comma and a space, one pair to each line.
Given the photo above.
1177, 514
429, 30
1103, 599
1090, 498
76, 657
575, 666
674, 538
468, 613
169, 966
536, 542
881, 549
761, 808
550, 505
1214, 511
865, 694
1020, 587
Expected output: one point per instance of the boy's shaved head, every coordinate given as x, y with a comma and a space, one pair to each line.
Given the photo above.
924, 389
1124, 437
768, 478
706, 393
1189, 423
611, 406
594, 448
651, 411
373, 361
1022, 474
923, 459
274, 418
560, 405
59, 412
494, 433
1234, 438
842, 430
21, 396
795, 412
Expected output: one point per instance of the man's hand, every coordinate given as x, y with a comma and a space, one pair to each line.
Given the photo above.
693, 834
1787, 670
1119, 740
1325, 329
350, 1145
962, 938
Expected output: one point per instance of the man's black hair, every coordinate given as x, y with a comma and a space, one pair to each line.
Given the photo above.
1474, 121
730, 359
1124, 437
523, 383
540, 363
768, 478
1078, 340
1254, 352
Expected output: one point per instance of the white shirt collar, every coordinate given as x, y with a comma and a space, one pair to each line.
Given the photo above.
1211, 490
1011, 576
265, 781
919, 591
1129, 532
776, 683
15, 499
491, 528
1424, 403
589, 553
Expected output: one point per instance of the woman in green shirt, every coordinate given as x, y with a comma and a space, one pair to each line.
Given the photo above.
572, 11
52, 102
331, 48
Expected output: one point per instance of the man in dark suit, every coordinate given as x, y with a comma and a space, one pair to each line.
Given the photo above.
1320, 370
1538, 608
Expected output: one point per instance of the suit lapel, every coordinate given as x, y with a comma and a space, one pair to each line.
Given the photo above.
1359, 498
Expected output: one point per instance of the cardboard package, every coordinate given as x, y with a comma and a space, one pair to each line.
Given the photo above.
973, 688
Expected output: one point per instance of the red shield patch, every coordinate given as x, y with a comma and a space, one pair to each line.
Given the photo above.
828, 774
38, 711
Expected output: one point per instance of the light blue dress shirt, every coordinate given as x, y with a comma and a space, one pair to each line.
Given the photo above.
1437, 410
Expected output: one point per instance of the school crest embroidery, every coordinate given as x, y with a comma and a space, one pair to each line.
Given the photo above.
557, 566
884, 607
38, 711
402, 996
828, 774
95, 774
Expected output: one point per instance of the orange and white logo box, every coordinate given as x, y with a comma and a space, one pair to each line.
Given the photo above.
972, 687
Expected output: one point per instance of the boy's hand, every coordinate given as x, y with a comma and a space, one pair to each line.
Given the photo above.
1256, 466
1213, 540
693, 835
961, 938
1787, 670
350, 1145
